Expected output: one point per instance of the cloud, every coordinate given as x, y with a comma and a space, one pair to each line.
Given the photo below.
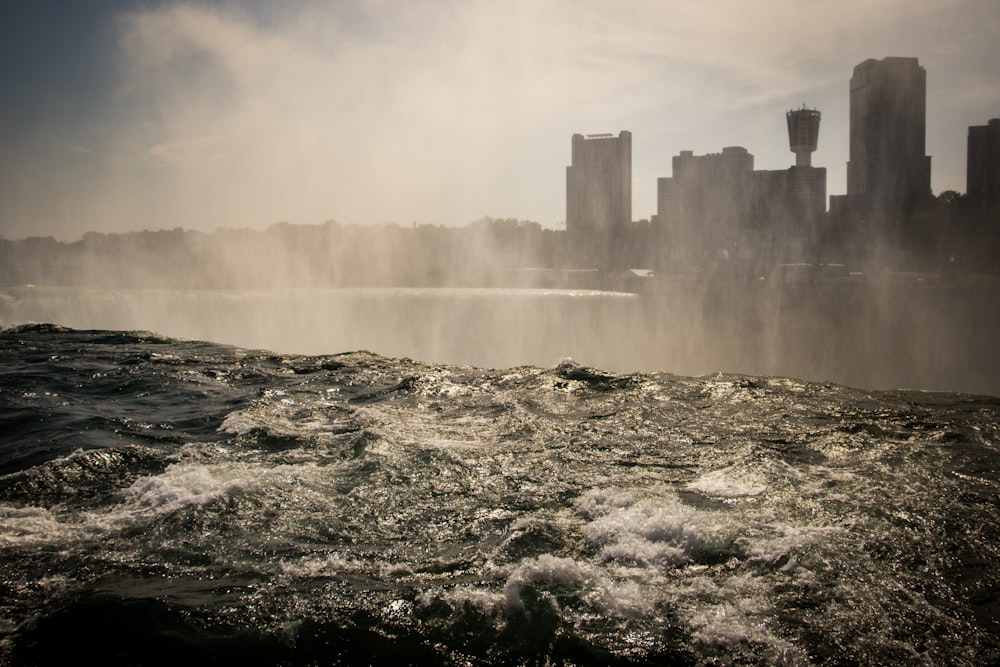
445, 111
423, 107
239, 113
191, 151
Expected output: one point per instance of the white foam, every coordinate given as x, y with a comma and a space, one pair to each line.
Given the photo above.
181, 486
584, 582
327, 565
742, 621
439, 385
239, 422
790, 541
36, 526
733, 391
548, 571
650, 532
732, 610
628, 598
284, 417
653, 530
730, 482
598, 502
464, 597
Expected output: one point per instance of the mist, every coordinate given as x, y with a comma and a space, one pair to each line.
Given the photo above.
501, 293
209, 115
405, 123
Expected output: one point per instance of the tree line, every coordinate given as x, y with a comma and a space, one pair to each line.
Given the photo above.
483, 253
953, 235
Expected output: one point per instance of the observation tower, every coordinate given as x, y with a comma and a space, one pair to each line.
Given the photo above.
803, 133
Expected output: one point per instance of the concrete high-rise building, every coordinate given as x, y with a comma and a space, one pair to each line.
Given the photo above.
787, 208
982, 176
888, 174
707, 194
599, 183
716, 207
700, 208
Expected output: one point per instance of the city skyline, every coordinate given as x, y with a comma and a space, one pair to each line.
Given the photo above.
135, 115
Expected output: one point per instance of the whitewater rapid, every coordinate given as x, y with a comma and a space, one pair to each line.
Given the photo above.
166, 500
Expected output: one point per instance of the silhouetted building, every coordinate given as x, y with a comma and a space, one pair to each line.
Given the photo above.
598, 192
888, 174
788, 207
982, 176
700, 207
716, 208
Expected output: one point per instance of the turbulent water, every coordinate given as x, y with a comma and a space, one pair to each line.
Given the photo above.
876, 334
166, 501
482, 327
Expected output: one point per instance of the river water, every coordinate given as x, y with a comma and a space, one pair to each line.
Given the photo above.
166, 500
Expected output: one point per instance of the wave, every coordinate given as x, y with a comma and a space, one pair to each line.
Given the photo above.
179, 499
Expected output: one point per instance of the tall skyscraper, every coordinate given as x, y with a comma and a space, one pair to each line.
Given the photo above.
888, 174
982, 176
599, 183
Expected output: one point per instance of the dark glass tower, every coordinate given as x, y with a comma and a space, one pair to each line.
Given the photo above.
888, 174
983, 166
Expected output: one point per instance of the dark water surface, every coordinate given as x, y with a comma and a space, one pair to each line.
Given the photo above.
164, 501
875, 334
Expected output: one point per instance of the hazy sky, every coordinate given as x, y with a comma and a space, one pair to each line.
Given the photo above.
136, 114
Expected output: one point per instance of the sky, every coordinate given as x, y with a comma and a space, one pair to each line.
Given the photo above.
121, 115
